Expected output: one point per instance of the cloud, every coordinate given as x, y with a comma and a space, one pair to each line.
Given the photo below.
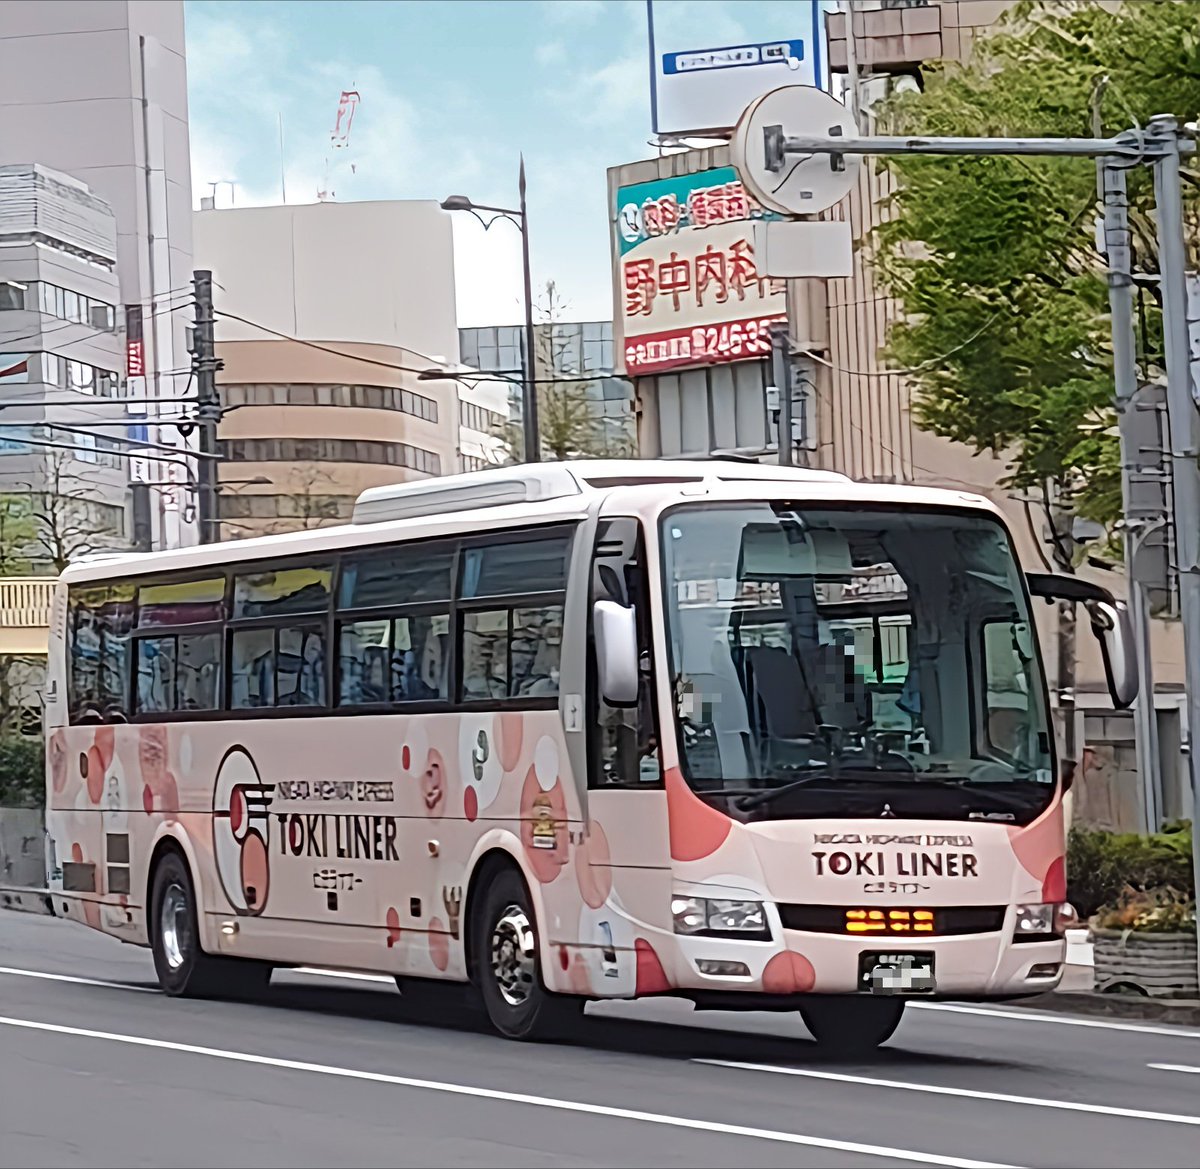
550, 53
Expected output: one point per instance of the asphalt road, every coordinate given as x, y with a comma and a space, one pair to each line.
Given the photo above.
98, 1069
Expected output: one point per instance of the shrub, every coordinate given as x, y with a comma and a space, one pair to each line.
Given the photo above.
22, 772
1157, 911
1103, 868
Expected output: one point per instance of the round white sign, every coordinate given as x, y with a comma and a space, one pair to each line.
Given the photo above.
808, 183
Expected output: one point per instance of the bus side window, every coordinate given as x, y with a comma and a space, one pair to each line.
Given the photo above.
625, 749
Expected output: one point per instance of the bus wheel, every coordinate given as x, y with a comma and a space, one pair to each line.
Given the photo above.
184, 969
851, 1024
506, 967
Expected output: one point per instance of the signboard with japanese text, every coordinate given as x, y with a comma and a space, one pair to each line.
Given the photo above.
700, 86
690, 291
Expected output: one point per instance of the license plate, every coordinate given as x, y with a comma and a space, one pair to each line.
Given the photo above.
883, 973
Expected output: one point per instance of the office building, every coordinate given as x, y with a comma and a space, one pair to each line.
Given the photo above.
60, 362
97, 89
333, 322
577, 358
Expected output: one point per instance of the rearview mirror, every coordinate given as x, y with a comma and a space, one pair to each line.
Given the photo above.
615, 630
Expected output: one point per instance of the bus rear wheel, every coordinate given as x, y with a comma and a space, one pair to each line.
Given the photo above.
851, 1024
506, 966
184, 969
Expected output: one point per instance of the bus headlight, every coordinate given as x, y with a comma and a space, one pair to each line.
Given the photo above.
705, 917
1043, 920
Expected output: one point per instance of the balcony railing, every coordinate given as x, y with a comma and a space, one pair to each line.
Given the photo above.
25, 602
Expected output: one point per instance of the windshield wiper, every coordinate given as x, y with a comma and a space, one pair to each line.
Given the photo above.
973, 788
852, 774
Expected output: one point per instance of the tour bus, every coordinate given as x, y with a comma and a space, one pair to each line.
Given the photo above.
759, 737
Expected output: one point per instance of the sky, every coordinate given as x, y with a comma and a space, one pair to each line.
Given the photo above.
452, 93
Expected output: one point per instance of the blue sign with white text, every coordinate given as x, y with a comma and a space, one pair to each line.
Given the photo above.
733, 57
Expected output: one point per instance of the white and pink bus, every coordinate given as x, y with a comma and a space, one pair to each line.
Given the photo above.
759, 737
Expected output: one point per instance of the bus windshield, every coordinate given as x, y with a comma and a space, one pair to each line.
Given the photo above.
836, 659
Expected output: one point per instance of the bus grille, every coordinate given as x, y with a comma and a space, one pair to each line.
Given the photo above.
892, 921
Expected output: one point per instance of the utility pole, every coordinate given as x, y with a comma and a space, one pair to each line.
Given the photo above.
1060, 516
781, 375
208, 407
1114, 199
1184, 430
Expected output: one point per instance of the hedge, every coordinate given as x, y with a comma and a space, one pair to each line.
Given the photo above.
1102, 866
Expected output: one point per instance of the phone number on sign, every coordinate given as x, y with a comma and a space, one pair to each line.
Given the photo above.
726, 342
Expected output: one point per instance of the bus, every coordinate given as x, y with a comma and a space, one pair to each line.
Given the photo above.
761, 737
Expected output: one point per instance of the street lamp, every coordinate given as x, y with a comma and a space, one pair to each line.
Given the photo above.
520, 219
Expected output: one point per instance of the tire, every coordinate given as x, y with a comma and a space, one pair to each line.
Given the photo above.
184, 969
506, 967
851, 1024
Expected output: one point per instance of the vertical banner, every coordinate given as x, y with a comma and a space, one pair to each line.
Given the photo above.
135, 357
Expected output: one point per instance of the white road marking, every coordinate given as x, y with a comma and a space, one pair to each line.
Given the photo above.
683, 1122
1174, 1067
45, 974
969, 1093
1055, 1017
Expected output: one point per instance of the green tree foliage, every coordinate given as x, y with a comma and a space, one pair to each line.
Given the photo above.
993, 259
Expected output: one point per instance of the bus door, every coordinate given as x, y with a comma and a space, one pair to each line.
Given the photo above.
627, 807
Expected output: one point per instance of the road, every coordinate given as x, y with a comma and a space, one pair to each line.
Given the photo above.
98, 1069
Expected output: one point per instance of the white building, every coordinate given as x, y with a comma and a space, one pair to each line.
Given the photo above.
327, 316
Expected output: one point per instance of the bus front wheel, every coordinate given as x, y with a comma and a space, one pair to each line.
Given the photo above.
506, 967
184, 969
851, 1024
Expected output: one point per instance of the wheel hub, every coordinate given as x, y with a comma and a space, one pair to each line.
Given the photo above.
174, 927
514, 956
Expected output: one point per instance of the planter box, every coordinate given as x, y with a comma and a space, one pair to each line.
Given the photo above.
1160, 965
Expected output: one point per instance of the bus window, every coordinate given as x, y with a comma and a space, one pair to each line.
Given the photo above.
100, 623
413, 575
282, 591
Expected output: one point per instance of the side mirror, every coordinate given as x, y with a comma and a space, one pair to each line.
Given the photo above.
615, 630
1114, 631
1110, 625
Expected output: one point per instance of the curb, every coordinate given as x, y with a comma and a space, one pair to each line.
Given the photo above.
26, 900
1185, 1012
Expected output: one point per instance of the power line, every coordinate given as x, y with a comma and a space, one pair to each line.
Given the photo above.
479, 375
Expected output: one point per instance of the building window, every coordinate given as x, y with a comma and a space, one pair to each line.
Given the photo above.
331, 450
14, 295
75, 375
472, 462
275, 507
302, 394
478, 418
67, 305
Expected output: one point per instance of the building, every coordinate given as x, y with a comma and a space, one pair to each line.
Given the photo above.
855, 416
334, 321
692, 316
576, 355
97, 89
60, 363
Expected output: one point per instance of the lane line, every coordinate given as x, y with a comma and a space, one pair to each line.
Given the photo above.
968, 1093
1054, 1017
1174, 1067
952, 1008
18, 972
709, 1126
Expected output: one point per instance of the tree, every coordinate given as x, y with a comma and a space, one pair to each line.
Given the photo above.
570, 420
65, 514
993, 260
17, 534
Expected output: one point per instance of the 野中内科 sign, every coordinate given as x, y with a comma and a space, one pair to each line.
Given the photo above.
690, 290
